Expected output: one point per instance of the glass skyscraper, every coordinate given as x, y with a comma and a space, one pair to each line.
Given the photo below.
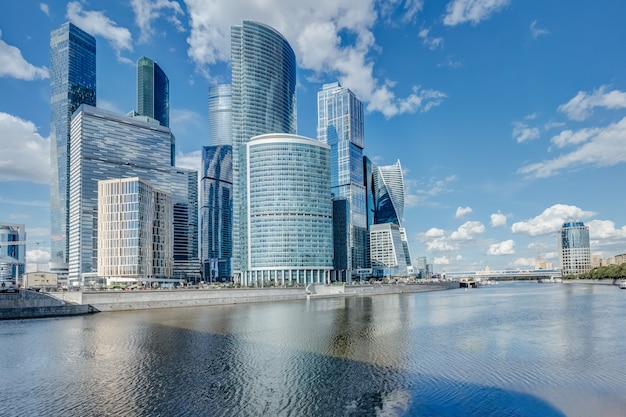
106, 145
72, 83
287, 230
12, 257
389, 189
574, 248
153, 91
263, 99
340, 125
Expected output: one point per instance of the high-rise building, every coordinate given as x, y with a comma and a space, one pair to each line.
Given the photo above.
216, 200
340, 125
574, 248
134, 230
387, 250
153, 91
287, 210
263, 100
12, 255
72, 83
106, 145
389, 189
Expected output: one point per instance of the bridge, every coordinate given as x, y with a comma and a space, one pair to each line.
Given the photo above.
505, 274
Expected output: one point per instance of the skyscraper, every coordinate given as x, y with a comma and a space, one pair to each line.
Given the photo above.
340, 125
106, 145
153, 91
72, 83
263, 99
12, 256
574, 248
287, 229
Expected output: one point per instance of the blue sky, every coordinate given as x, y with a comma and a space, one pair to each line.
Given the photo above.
508, 116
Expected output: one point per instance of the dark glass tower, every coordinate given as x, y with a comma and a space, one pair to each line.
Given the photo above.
72, 83
153, 91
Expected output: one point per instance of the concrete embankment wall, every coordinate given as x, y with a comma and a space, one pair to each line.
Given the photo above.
29, 304
607, 281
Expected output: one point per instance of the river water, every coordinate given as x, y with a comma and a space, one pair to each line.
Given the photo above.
513, 349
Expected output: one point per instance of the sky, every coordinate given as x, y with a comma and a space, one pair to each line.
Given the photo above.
508, 116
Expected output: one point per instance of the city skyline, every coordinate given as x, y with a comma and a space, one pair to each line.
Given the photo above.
506, 116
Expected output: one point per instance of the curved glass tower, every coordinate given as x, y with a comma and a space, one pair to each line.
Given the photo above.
263, 98
574, 248
287, 207
72, 83
389, 188
220, 115
153, 91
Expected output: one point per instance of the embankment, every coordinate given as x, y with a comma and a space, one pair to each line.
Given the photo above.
29, 304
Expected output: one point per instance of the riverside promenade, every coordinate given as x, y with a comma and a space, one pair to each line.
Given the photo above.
102, 301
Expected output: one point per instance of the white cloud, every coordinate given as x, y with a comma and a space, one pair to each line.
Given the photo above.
183, 120
535, 31
459, 258
147, 11
461, 11
334, 39
440, 245
524, 263
44, 8
503, 248
605, 230
37, 256
192, 160
443, 260
433, 232
602, 147
97, 24
498, 219
580, 107
522, 132
468, 231
25, 154
430, 42
13, 64
569, 137
462, 211
551, 220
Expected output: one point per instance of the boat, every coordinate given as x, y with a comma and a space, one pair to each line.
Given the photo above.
622, 284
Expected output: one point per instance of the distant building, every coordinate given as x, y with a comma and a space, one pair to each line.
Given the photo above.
135, 230
153, 91
340, 124
106, 145
595, 261
263, 101
72, 83
574, 248
12, 256
541, 263
286, 225
620, 259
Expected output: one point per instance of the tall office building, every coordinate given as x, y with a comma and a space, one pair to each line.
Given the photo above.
216, 200
574, 248
12, 255
340, 125
263, 99
72, 83
387, 250
106, 145
287, 226
153, 91
135, 227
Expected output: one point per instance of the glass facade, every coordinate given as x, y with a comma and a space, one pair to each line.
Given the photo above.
263, 99
221, 115
387, 250
340, 125
389, 190
134, 230
216, 212
106, 145
153, 91
12, 257
574, 248
72, 83
288, 230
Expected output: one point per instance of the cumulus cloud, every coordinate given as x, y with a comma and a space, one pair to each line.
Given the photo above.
440, 245
433, 232
498, 219
462, 211
443, 260
536, 31
524, 263
147, 11
430, 42
522, 132
581, 106
551, 220
13, 64
474, 11
503, 248
332, 39
97, 24
468, 231
605, 229
25, 154
598, 147
37, 256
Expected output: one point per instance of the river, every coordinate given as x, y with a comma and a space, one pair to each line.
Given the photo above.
513, 349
